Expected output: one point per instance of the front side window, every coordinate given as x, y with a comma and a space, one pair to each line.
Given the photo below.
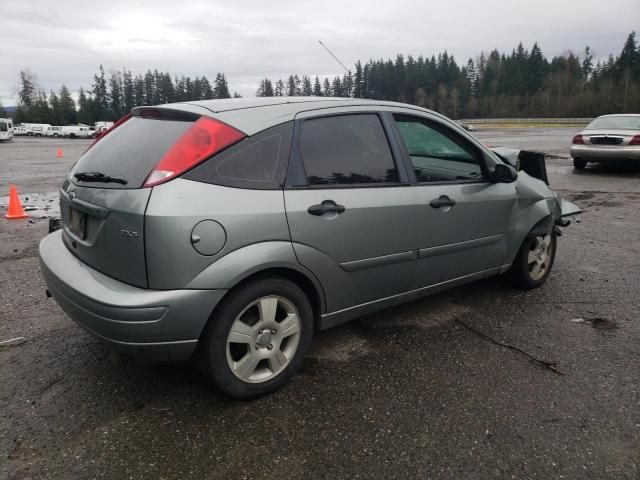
346, 149
437, 153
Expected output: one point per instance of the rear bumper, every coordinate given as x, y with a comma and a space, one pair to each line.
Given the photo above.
157, 325
602, 153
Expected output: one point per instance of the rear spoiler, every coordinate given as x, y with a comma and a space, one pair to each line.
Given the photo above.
165, 113
528, 161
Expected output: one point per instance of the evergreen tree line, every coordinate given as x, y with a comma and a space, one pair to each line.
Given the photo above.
111, 98
523, 83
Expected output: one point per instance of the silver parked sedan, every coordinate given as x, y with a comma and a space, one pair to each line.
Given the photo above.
231, 230
607, 138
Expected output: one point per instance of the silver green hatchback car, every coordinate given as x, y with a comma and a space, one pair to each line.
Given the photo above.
231, 230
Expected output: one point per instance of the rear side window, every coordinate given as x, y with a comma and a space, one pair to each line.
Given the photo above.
130, 151
346, 149
257, 162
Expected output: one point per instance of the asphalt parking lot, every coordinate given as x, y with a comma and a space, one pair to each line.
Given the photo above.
481, 381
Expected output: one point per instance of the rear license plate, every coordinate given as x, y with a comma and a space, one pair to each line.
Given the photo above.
77, 223
606, 140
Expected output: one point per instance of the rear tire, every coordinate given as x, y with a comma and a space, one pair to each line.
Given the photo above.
257, 338
579, 164
534, 261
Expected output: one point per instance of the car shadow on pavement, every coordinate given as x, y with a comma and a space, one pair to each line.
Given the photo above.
625, 168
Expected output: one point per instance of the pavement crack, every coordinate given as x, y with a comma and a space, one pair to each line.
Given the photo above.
543, 363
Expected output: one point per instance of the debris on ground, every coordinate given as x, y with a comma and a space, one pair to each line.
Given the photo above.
598, 323
12, 342
40, 205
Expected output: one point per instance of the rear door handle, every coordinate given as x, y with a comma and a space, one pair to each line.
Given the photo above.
442, 201
325, 207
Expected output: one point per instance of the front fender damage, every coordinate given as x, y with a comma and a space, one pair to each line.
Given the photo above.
538, 210
533, 182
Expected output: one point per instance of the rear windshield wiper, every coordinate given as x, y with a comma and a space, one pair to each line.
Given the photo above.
98, 177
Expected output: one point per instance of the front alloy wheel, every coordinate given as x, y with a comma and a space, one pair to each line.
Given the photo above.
539, 256
534, 261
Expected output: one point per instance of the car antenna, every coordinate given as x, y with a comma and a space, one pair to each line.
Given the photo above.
334, 57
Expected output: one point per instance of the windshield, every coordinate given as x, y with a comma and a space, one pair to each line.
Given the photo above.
3, 126
616, 122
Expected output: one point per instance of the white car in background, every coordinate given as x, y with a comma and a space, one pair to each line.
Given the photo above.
607, 138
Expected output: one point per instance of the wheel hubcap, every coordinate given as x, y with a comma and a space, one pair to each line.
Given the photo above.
539, 256
263, 339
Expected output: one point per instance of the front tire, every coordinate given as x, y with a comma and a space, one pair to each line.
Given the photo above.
579, 164
534, 261
257, 339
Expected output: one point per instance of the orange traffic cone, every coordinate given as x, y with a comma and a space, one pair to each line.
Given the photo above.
59, 154
15, 209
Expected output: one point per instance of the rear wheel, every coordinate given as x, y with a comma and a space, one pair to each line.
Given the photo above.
579, 164
257, 339
534, 261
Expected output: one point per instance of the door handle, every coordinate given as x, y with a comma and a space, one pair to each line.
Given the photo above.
442, 201
325, 207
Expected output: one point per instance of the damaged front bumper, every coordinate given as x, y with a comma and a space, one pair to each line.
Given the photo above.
567, 210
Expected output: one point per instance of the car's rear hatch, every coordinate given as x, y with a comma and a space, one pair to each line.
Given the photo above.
103, 201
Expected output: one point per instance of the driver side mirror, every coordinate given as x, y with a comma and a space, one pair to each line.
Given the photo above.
503, 173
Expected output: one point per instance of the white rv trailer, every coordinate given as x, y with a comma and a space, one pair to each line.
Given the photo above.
6, 129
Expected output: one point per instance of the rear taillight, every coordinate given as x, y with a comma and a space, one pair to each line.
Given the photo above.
101, 135
635, 140
578, 140
203, 139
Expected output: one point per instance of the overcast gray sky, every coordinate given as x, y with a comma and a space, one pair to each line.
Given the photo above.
65, 41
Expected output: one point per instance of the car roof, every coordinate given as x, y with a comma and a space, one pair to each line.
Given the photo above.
620, 115
252, 115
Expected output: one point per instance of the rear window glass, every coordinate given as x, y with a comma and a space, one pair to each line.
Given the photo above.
346, 149
130, 151
3, 126
257, 162
623, 123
